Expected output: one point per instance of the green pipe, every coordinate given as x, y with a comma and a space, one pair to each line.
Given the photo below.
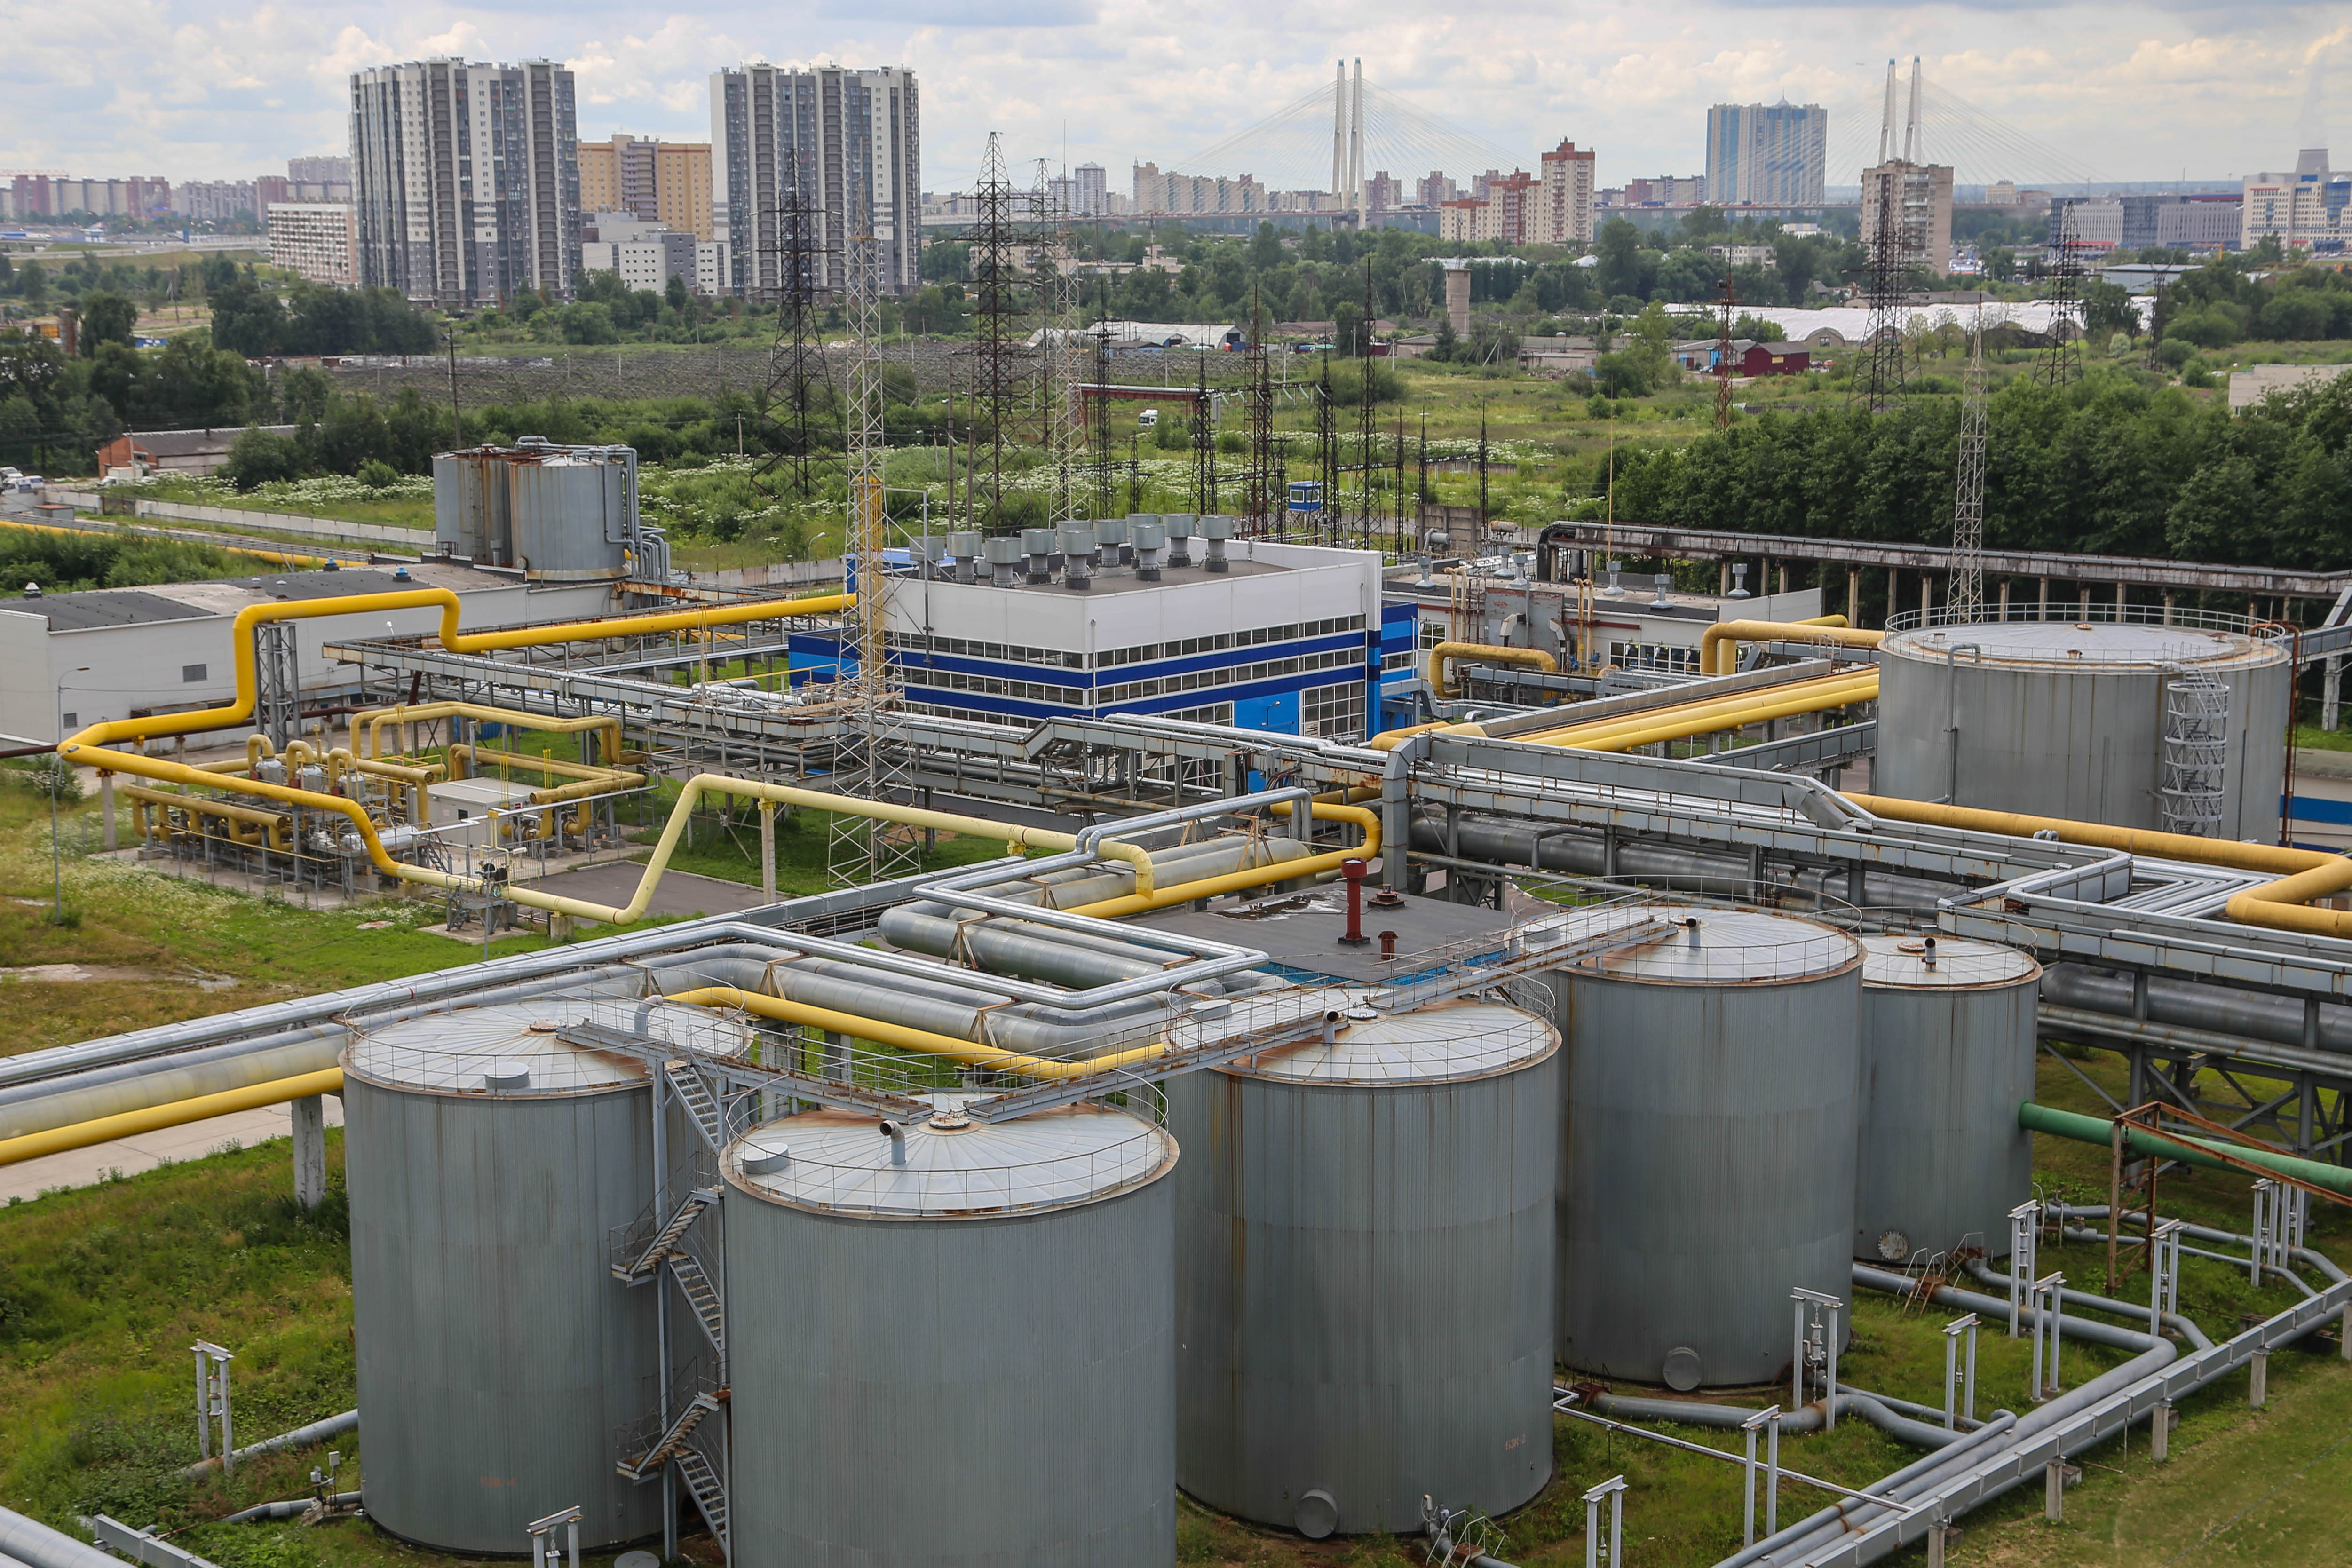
2098, 1129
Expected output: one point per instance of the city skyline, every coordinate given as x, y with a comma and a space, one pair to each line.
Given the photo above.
2206, 92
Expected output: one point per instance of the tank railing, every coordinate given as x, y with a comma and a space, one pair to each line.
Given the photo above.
1698, 955
870, 1184
555, 1068
2101, 612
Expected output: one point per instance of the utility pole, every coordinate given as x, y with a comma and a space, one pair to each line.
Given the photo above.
1725, 299
449, 336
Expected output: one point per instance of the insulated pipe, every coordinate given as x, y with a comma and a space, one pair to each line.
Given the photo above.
241, 645
129, 1123
1313, 866
1581, 852
1731, 703
2314, 1261
2099, 1129
1794, 1543
116, 1084
1718, 646
36, 1545
2303, 874
1902, 1428
2193, 1004
606, 724
292, 1507
308, 1436
925, 1042
1484, 653
1984, 1274
1679, 724
1889, 1485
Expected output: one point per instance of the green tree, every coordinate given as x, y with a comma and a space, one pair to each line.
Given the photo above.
588, 322
110, 318
676, 295
1619, 268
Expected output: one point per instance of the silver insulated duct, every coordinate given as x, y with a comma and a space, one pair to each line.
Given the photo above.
1947, 1053
956, 1341
1710, 1142
1364, 1269
489, 1164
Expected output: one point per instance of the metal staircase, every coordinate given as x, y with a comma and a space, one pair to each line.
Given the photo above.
635, 1265
703, 1295
672, 1443
710, 1493
701, 1104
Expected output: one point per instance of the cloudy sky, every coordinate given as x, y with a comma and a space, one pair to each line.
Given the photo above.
213, 89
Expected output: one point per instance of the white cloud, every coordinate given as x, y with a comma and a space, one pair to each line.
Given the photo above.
2133, 92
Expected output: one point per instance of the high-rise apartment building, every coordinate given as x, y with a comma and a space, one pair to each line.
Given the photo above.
1564, 207
465, 179
317, 240
849, 141
321, 170
1918, 211
1093, 190
1766, 155
2309, 209
667, 182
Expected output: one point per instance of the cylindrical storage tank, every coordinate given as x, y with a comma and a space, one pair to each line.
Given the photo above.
1365, 1271
469, 500
489, 1164
1710, 1165
2070, 720
1947, 1053
572, 513
963, 1361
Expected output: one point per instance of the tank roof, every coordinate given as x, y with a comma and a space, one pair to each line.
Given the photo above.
1715, 945
1449, 1041
840, 1162
511, 1050
2100, 644
1900, 963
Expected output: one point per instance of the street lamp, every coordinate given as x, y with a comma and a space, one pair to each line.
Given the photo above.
56, 783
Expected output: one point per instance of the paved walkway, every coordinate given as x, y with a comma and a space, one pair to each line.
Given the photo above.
82, 1167
678, 892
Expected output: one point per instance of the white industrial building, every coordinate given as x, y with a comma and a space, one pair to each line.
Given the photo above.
67, 660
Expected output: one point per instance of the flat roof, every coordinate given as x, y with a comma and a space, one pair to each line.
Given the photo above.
1123, 580
226, 595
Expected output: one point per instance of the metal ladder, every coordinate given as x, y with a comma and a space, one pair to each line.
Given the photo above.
704, 1298
671, 1443
637, 1270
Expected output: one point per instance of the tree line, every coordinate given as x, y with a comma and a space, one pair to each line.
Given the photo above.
2114, 465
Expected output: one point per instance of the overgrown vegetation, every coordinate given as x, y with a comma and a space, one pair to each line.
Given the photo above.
65, 562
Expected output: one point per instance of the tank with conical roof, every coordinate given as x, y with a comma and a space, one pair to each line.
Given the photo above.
954, 1340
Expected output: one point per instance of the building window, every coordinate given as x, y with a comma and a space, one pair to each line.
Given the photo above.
1332, 713
72, 721
192, 673
1654, 656
1215, 713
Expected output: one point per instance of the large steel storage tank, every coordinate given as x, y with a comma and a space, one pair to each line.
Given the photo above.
1709, 1166
1947, 1053
954, 1343
488, 1164
469, 504
2080, 720
1364, 1269
574, 512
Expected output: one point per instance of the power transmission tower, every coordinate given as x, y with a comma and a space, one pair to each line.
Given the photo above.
1965, 601
1204, 446
1367, 429
867, 765
1264, 492
1886, 235
1725, 299
794, 263
1105, 475
1000, 365
2064, 365
1060, 358
1326, 459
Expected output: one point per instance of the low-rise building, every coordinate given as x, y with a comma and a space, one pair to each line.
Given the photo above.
197, 452
317, 240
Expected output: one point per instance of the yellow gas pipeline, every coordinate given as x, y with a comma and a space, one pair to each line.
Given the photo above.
2303, 874
908, 1039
